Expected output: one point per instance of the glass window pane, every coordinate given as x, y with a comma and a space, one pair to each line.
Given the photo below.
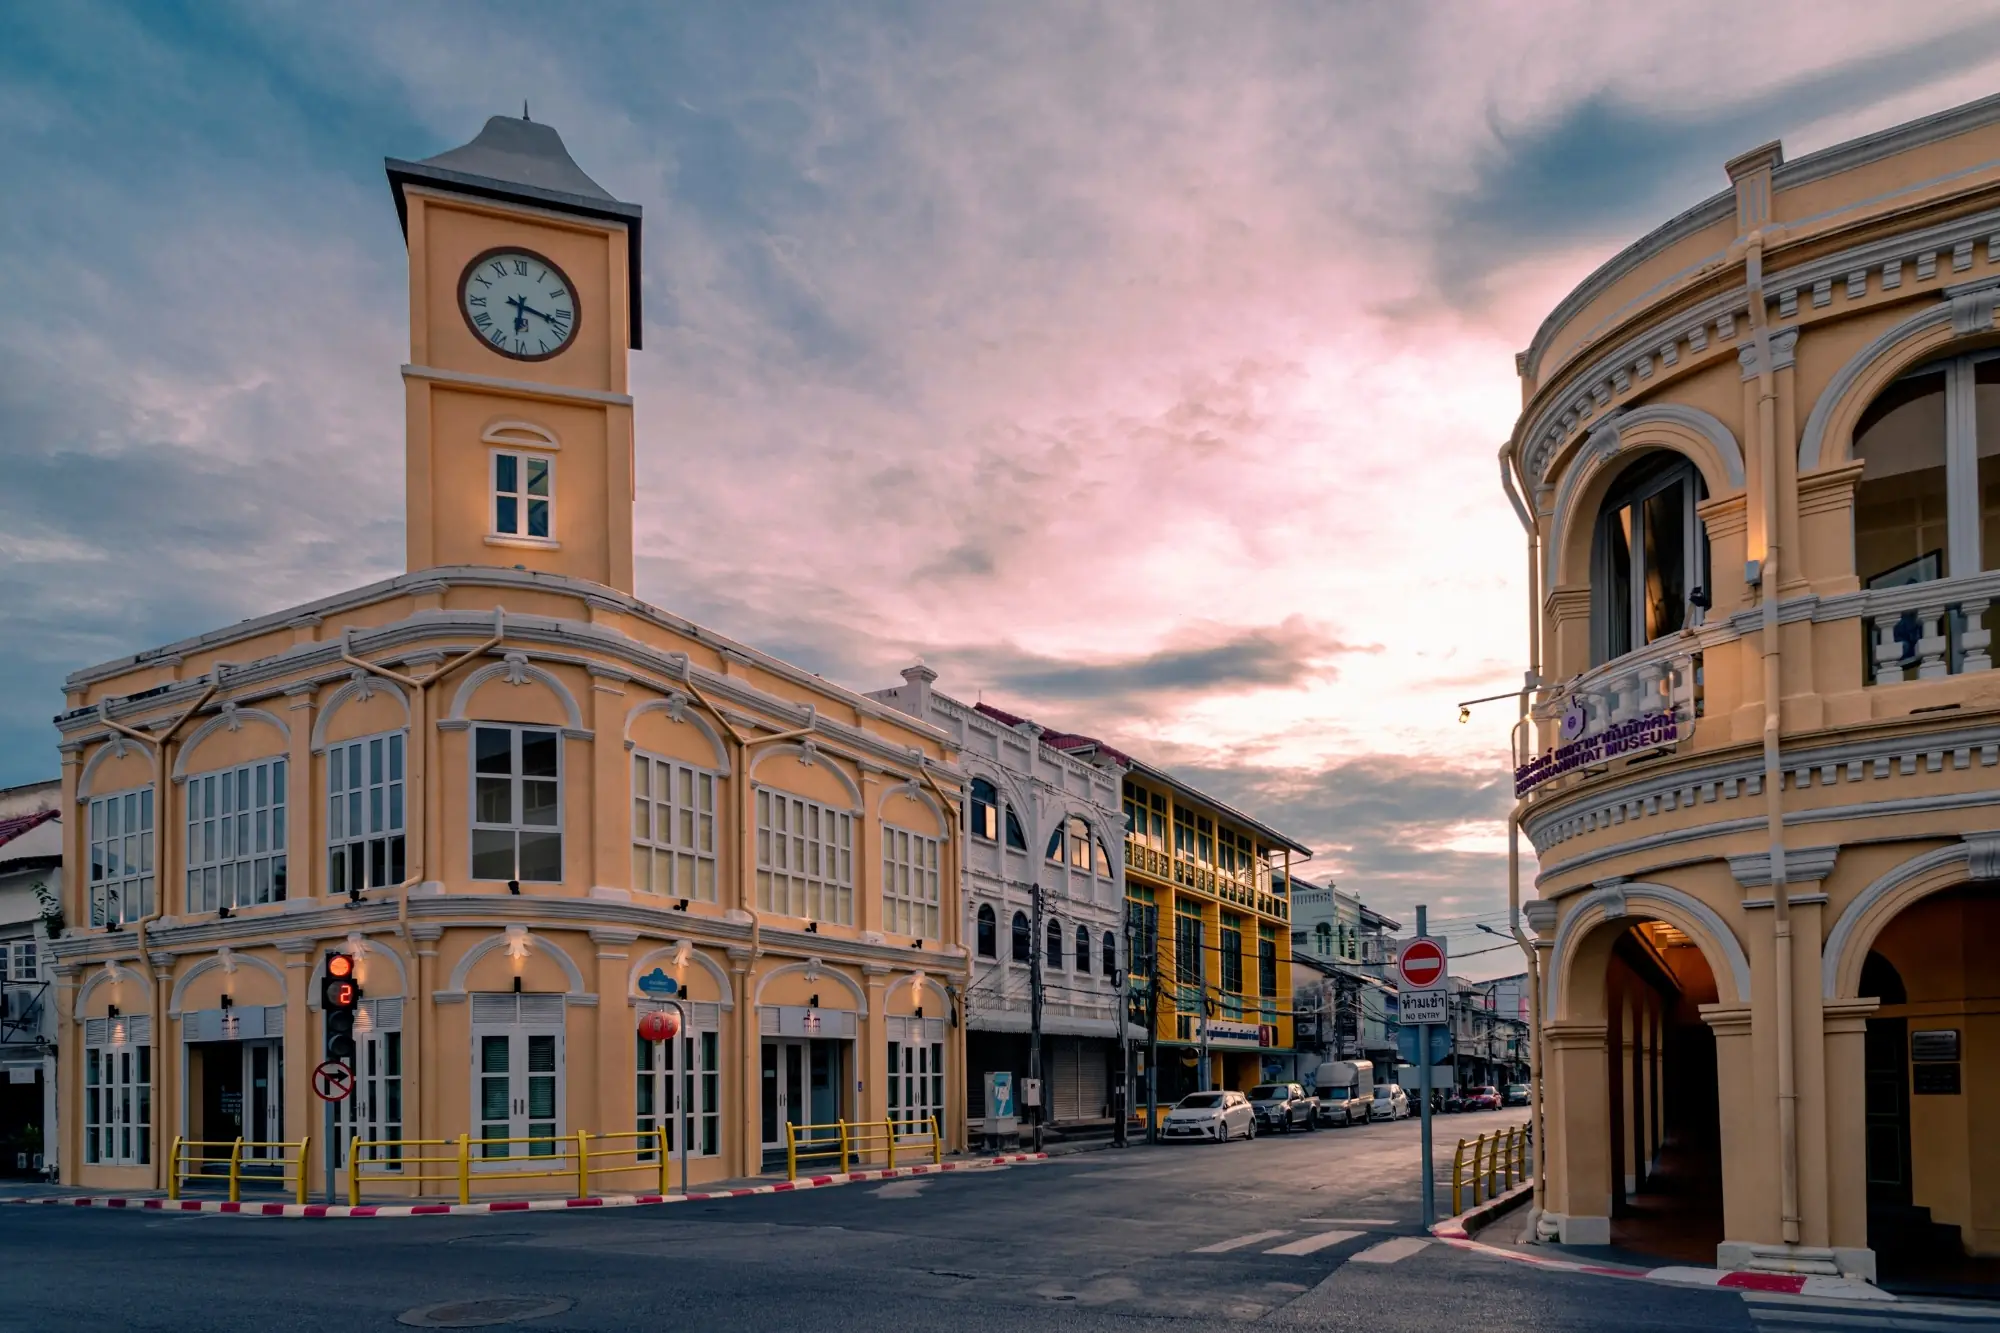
541, 857
493, 750
538, 476
493, 801
1665, 561
1899, 507
492, 854
506, 474
539, 751
538, 518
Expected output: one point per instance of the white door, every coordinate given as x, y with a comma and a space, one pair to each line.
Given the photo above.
517, 1075
373, 1112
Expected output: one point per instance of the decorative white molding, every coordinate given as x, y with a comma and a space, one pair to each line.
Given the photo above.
517, 670
1784, 349
808, 754
815, 971
675, 706
361, 686
1982, 857
664, 956
520, 435
1693, 917
1840, 941
230, 718
500, 939
229, 964
115, 748
1803, 865
98, 977
522, 388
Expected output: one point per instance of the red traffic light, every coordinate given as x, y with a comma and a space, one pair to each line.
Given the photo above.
339, 965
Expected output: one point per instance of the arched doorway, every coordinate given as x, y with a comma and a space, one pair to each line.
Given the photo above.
1932, 1076
1635, 1117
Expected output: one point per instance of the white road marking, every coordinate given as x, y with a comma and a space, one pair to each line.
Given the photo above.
1885, 1317
1312, 1243
1224, 1246
1348, 1221
1390, 1251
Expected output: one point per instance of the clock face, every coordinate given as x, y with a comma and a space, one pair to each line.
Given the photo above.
518, 303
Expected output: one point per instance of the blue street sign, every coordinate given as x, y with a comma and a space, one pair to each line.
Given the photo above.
657, 982
1406, 1043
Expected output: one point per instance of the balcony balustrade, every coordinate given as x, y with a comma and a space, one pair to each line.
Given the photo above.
1927, 631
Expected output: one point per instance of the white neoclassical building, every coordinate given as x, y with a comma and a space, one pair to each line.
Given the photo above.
1043, 809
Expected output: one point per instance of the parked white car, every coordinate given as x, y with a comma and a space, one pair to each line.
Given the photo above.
1391, 1103
1215, 1116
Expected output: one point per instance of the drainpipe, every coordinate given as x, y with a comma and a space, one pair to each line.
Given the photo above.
156, 1006
1767, 584
1523, 746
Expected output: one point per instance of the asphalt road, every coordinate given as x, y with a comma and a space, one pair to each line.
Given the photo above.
1149, 1237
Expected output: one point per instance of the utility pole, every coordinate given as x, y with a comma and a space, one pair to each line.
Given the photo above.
1035, 945
1201, 981
1153, 1030
1121, 1112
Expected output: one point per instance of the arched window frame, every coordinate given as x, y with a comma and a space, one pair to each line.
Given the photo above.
985, 808
1110, 954
1619, 600
1053, 953
1016, 839
1083, 951
1023, 938
987, 932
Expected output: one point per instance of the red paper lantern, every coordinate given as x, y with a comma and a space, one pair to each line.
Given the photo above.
659, 1025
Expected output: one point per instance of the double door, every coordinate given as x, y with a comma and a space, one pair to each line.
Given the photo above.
801, 1088
241, 1091
518, 1088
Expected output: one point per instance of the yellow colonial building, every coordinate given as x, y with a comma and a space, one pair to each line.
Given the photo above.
1758, 461
531, 804
1205, 890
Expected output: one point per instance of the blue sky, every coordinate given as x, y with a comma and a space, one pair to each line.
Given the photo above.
1139, 366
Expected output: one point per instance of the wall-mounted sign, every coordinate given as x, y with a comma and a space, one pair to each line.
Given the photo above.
1649, 731
1224, 1033
657, 982
1933, 1045
1935, 1080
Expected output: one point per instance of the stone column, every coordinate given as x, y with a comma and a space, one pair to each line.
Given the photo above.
1749, 1179
871, 1055
611, 784
303, 1114
1845, 1025
419, 1060
746, 1154
1577, 1117
617, 1039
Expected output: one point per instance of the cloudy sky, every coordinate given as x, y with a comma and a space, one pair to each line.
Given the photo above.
1141, 366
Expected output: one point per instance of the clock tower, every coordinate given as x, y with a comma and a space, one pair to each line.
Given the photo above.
524, 298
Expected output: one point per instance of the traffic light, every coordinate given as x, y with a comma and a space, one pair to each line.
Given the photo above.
339, 993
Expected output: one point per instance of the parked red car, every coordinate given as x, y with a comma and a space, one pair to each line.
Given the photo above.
1482, 1099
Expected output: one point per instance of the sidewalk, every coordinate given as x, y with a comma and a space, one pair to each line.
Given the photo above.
271, 1203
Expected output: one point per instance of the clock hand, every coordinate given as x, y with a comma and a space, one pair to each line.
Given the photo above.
531, 310
520, 320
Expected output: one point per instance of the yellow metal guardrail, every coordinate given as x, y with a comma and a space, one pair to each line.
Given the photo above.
1498, 1162
209, 1159
581, 1158
852, 1141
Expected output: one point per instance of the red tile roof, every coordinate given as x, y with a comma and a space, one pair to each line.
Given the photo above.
1059, 740
13, 826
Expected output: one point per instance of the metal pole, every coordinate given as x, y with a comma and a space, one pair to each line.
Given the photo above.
331, 1168
1153, 1030
1424, 1084
686, 1079
1201, 981
1120, 1130
1035, 944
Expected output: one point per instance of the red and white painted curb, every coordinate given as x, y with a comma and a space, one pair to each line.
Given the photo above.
157, 1205
1452, 1231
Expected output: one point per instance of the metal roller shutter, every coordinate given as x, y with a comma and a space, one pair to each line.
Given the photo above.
1065, 1080
1093, 1087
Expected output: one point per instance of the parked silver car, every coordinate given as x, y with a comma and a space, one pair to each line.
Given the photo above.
1391, 1103
1285, 1106
1215, 1116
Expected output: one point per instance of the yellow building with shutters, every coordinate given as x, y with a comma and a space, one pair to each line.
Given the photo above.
1206, 888
527, 800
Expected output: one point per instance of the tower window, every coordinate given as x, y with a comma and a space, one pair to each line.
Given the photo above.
524, 489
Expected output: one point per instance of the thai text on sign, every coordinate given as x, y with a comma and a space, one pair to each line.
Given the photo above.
1646, 732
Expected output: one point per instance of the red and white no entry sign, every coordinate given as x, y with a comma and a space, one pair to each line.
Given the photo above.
1421, 964
333, 1081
